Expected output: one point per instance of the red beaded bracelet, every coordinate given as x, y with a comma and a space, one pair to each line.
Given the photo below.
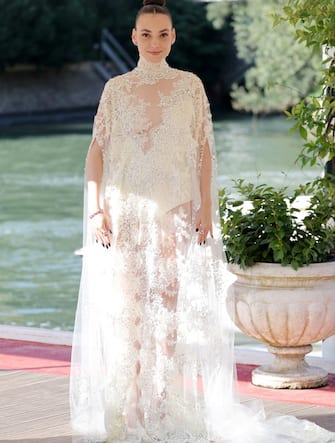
99, 211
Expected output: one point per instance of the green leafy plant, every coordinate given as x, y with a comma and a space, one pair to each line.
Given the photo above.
267, 225
313, 23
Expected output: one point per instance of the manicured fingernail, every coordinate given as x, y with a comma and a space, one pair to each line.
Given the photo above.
204, 242
197, 230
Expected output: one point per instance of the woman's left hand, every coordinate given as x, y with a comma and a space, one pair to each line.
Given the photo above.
203, 222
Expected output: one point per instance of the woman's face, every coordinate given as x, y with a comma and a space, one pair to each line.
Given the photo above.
154, 36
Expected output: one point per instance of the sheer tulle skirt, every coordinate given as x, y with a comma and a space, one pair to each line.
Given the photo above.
152, 352
146, 327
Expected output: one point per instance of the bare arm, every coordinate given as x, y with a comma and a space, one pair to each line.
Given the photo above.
99, 223
204, 215
93, 177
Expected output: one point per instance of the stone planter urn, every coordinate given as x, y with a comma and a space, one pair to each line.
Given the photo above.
288, 310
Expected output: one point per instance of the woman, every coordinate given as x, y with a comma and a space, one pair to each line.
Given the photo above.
152, 351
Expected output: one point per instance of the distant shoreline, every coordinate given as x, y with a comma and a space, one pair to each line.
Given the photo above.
60, 116
30, 95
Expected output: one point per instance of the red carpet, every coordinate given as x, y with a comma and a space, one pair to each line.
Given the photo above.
54, 359
34, 357
318, 396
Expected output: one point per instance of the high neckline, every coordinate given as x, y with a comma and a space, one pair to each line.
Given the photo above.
150, 72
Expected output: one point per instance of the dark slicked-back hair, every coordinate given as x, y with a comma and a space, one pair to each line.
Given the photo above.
153, 7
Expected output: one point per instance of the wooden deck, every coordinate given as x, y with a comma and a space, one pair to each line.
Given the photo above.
34, 408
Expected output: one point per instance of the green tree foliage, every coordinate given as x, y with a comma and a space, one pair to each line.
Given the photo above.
45, 32
281, 69
314, 24
55, 32
199, 46
313, 21
52, 32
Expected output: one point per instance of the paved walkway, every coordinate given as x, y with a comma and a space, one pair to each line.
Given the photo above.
34, 395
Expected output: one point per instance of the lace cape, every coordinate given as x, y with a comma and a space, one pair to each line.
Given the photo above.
152, 352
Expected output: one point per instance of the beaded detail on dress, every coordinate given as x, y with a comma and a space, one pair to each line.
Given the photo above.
142, 325
152, 355
150, 72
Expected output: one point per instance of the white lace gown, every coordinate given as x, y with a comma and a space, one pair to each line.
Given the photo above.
152, 356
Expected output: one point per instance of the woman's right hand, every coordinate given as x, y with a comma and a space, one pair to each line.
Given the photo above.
101, 229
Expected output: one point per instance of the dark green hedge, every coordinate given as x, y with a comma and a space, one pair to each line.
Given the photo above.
46, 32
56, 32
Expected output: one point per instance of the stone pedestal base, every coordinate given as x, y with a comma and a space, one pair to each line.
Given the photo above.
289, 370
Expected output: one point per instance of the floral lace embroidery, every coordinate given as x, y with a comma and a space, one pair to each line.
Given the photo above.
152, 356
150, 73
147, 127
